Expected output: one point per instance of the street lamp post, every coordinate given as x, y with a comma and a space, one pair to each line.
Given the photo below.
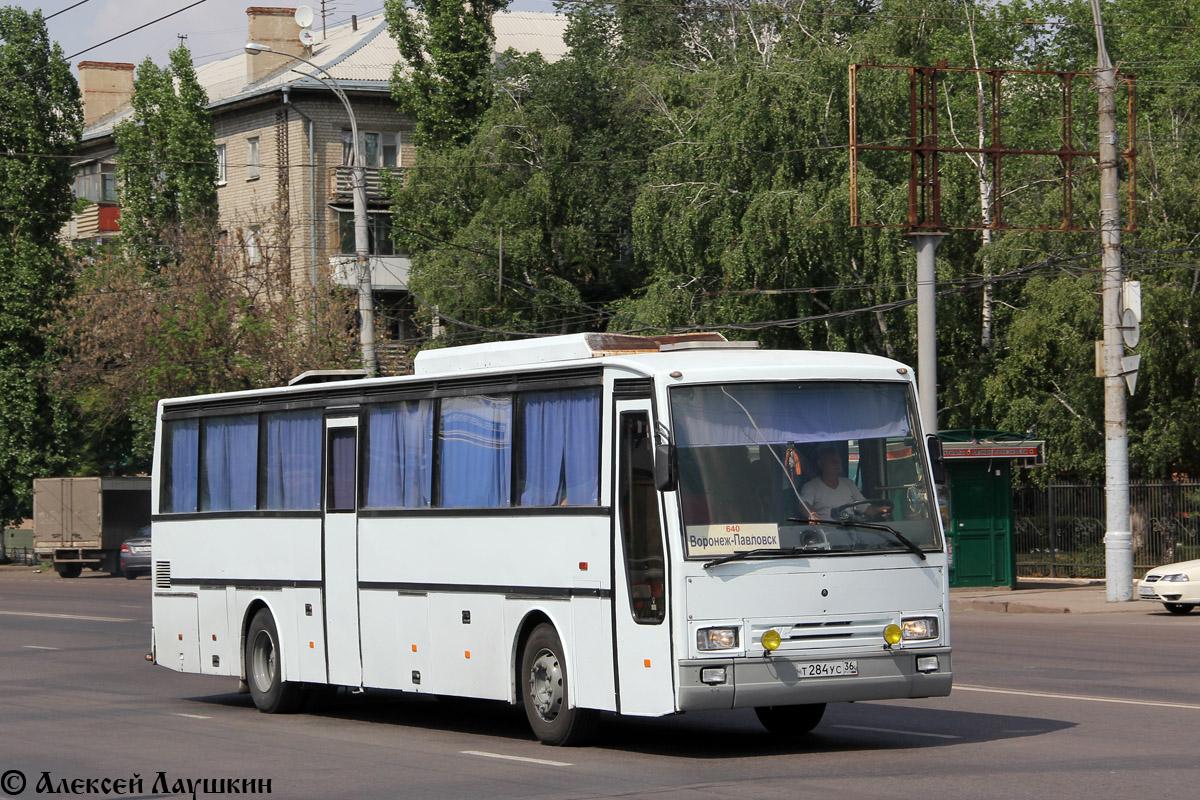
366, 299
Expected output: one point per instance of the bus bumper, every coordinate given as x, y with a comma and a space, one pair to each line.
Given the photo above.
778, 681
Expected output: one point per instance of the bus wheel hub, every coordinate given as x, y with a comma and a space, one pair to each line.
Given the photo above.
546, 685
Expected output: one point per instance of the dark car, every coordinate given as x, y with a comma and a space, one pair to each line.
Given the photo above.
135, 554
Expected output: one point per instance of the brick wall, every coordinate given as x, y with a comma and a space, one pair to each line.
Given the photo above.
245, 201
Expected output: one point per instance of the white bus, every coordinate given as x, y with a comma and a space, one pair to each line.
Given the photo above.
576, 524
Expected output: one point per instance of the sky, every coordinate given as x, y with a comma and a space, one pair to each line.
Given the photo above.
215, 28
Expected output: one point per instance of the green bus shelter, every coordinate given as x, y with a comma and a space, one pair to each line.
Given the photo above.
977, 502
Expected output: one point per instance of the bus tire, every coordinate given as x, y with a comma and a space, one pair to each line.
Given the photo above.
264, 668
69, 570
790, 720
546, 693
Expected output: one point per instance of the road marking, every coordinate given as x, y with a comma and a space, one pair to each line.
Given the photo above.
190, 716
544, 761
893, 730
64, 616
127, 605
38, 647
1088, 698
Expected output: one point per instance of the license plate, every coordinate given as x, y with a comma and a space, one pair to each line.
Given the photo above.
140, 549
1147, 591
828, 669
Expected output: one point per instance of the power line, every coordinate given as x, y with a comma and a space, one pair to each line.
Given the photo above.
133, 30
65, 10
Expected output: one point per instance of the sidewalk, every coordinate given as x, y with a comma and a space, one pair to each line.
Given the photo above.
1040, 596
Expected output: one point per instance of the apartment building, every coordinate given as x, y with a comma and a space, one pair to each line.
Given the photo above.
283, 146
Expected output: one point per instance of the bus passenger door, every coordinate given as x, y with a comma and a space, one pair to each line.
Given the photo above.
340, 552
645, 673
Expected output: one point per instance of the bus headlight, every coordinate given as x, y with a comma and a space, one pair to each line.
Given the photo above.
717, 639
919, 628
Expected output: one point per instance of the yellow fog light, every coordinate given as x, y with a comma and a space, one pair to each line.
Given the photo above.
771, 639
892, 634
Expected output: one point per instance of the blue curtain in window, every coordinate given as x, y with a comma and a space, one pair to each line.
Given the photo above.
476, 450
561, 448
710, 416
293, 460
182, 462
229, 467
400, 455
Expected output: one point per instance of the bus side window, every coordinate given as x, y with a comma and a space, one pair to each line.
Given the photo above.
641, 533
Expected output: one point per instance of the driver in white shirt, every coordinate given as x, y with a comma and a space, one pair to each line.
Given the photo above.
822, 495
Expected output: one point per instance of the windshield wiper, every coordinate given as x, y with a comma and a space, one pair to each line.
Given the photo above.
741, 555
872, 526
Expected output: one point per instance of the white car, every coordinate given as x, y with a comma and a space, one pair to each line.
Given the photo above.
1176, 586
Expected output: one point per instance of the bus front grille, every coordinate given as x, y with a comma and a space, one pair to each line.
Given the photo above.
805, 635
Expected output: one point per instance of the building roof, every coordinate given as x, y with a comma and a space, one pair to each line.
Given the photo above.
360, 60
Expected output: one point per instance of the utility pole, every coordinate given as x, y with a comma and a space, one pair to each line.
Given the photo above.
926, 245
1118, 539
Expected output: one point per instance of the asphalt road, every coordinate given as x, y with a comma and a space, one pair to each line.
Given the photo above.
1097, 706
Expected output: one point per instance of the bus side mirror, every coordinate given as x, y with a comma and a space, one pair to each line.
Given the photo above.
936, 463
666, 468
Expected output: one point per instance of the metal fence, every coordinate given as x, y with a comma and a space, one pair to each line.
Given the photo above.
20, 555
1059, 530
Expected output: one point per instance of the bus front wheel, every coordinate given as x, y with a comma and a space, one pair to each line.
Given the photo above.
790, 720
264, 668
545, 693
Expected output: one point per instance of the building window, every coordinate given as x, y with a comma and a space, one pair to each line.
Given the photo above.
378, 149
221, 165
254, 245
222, 242
97, 182
379, 234
252, 164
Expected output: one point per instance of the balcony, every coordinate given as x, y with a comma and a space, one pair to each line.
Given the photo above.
388, 273
341, 184
97, 220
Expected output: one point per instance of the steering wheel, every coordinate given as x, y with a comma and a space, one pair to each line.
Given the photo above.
847, 511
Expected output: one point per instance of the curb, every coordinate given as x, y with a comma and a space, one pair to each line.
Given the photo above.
1005, 607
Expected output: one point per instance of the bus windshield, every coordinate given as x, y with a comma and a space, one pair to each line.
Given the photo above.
821, 467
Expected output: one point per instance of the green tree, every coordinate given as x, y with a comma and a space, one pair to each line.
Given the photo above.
685, 168
39, 131
444, 77
554, 164
166, 163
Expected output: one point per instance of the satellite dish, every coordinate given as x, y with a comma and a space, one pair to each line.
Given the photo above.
304, 16
306, 37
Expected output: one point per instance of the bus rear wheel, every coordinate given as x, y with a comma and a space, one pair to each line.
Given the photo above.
264, 668
790, 720
546, 693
